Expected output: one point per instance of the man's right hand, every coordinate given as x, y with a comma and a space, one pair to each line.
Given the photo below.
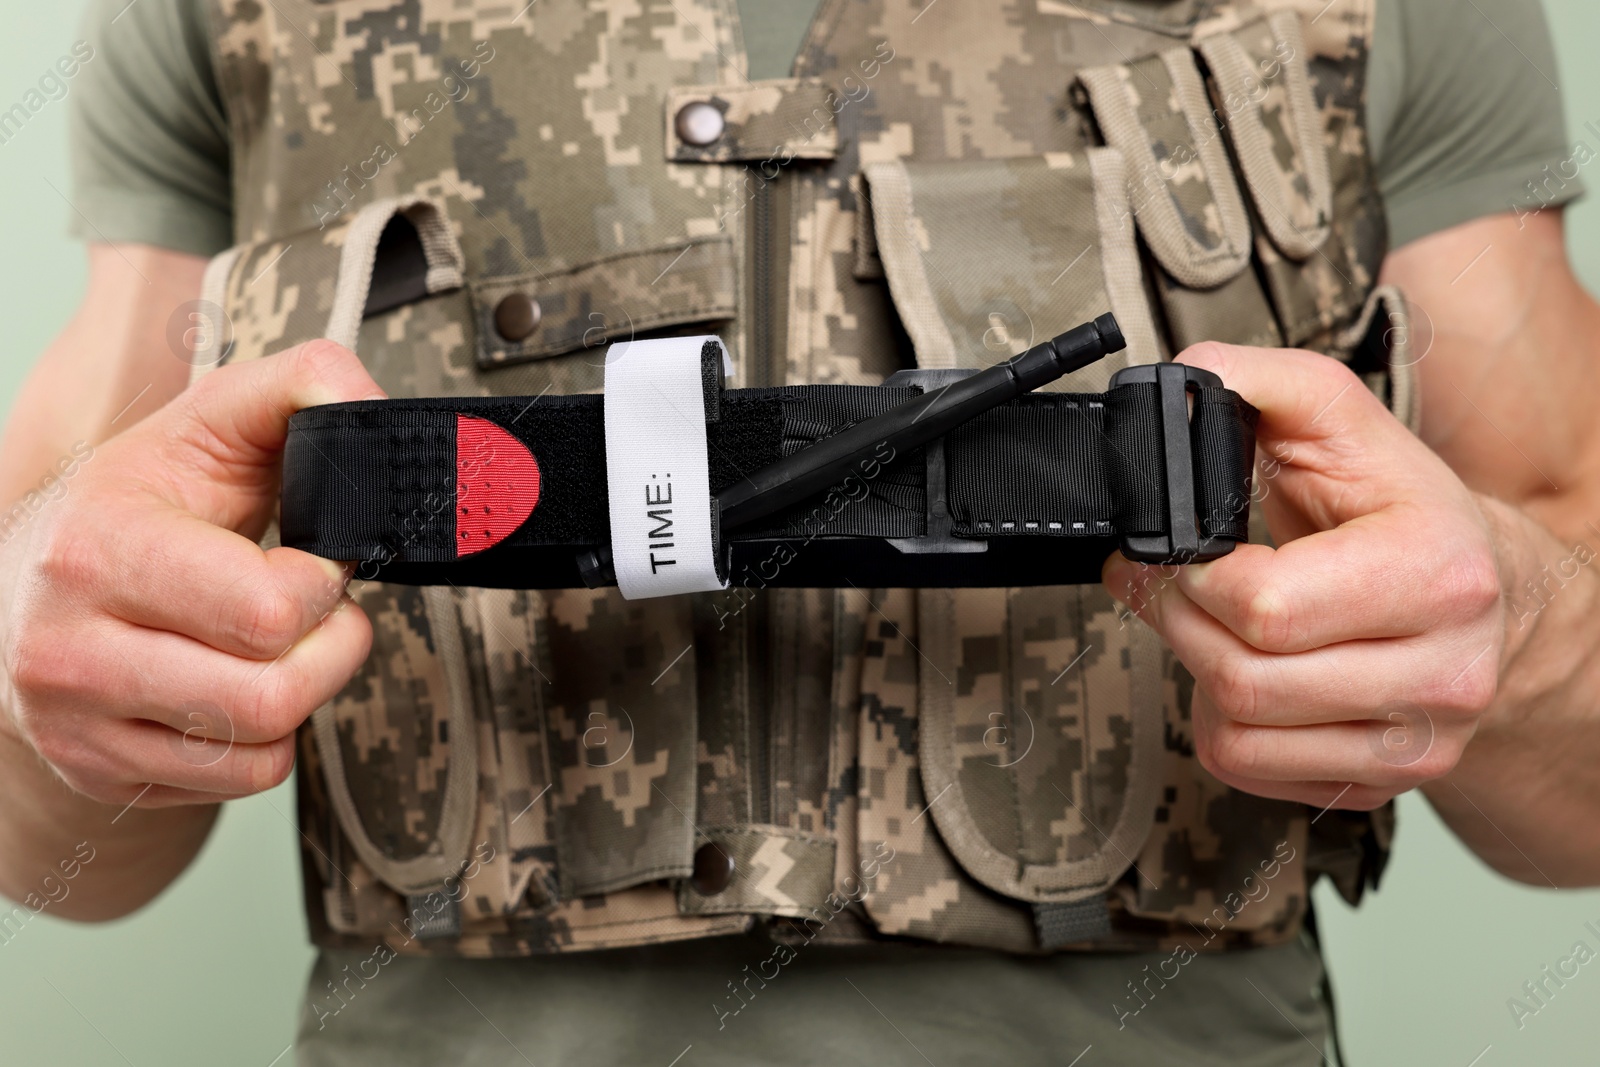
151, 651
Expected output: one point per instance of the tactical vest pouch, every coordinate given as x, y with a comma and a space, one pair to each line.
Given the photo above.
985, 258
1184, 194
1265, 87
1187, 205
1278, 134
1008, 770
1008, 767
1225, 866
260, 297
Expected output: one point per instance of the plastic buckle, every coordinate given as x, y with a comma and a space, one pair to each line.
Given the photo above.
938, 539
1183, 543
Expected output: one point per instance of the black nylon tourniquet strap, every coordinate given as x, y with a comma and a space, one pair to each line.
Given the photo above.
376, 480
1222, 428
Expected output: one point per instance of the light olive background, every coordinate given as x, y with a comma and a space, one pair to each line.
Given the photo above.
212, 973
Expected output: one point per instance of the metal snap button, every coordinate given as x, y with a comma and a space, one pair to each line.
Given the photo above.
699, 123
517, 316
713, 870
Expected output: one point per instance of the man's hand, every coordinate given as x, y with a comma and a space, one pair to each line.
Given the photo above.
1354, 661
151, 652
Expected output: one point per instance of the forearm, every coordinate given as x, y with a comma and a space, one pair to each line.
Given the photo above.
110, 367
1506, 402
1525, 796
78, 859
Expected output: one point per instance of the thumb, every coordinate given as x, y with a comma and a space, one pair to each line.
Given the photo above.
215, 450
1328, 442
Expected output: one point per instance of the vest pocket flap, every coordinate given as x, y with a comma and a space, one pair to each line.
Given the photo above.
1265, 84
1157, 114
552, 313
774, 122
1241, 880
501, 634
775, 871
264, 296
619, 711
400, 754
1041, 754
986, 258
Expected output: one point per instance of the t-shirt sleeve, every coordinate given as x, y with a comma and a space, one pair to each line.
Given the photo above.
150, 151
1464, 110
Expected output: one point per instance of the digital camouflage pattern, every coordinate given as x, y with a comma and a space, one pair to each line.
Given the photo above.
1157, 114
933, 184
923, 893
982, 257
1044, 775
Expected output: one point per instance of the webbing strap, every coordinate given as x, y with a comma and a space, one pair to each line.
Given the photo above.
1068, 924
386, 484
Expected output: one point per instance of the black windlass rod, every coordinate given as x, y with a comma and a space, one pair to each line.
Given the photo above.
914, 423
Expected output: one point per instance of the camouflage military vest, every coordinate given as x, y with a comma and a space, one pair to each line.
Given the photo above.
936, 185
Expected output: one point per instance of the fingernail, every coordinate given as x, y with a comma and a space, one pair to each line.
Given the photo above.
338, 573
1118, 575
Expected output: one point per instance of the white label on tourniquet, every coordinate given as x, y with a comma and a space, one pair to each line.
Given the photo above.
657, 472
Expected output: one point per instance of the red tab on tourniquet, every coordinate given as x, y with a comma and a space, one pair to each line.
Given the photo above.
497, 484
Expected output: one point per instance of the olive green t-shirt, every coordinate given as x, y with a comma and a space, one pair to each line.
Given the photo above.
1463, 111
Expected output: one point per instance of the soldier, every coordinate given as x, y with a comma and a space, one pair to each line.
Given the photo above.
813, 825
